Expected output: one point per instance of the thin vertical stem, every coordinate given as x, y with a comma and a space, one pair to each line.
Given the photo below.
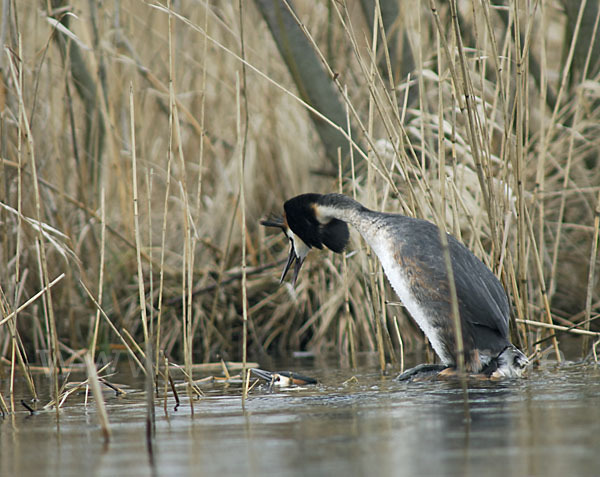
243, 136
43, 264
136, 220
167, 192
591, 273
101, 274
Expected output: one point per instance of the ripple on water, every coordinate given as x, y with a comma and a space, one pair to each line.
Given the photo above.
546, 424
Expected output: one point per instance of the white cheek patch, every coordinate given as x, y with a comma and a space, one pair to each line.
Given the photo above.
300, 247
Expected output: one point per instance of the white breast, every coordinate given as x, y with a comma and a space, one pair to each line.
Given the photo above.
397, 277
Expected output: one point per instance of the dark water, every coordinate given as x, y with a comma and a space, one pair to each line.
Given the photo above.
547, 424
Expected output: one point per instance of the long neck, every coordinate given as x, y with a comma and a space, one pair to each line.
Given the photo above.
373, 226
341, 207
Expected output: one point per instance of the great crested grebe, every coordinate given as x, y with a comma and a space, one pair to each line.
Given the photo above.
411, 254
283, 379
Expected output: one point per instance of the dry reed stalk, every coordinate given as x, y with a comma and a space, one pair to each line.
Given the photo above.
540, 324
189, 237
592, 269
112, 326
18, 354
136, 220
14, 329
520, 108
12, 377
202, 133
265, 76
74, 388
552, 127
151, 331
374, 266
345, 283
97, 393
3, 407
134, 344
101, 274
242, 140
167, 192
400, 343
15, 352
594, 246
166, 378
458, 332
418, 149
42, 262
370, 73
149, 398
11, 316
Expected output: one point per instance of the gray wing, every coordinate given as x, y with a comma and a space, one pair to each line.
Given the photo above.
481, 297
482, 300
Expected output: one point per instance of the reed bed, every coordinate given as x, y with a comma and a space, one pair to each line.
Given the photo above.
141, 143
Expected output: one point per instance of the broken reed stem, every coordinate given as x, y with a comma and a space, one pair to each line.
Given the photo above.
113, 327
17, 353
97, 393
551, 326
12, 315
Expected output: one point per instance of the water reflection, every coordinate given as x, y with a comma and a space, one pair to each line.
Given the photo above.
547, 424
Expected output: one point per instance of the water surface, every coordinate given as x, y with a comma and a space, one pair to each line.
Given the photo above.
547, 424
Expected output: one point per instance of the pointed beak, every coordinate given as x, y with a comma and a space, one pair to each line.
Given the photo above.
291, 258
263, 374
274, 222
280, 222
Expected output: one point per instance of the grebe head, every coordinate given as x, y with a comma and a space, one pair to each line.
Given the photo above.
304, 230
283, 378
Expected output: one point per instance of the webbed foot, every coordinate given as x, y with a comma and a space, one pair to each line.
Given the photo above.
421, 371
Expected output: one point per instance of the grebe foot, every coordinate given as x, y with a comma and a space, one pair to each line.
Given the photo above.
421, 371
